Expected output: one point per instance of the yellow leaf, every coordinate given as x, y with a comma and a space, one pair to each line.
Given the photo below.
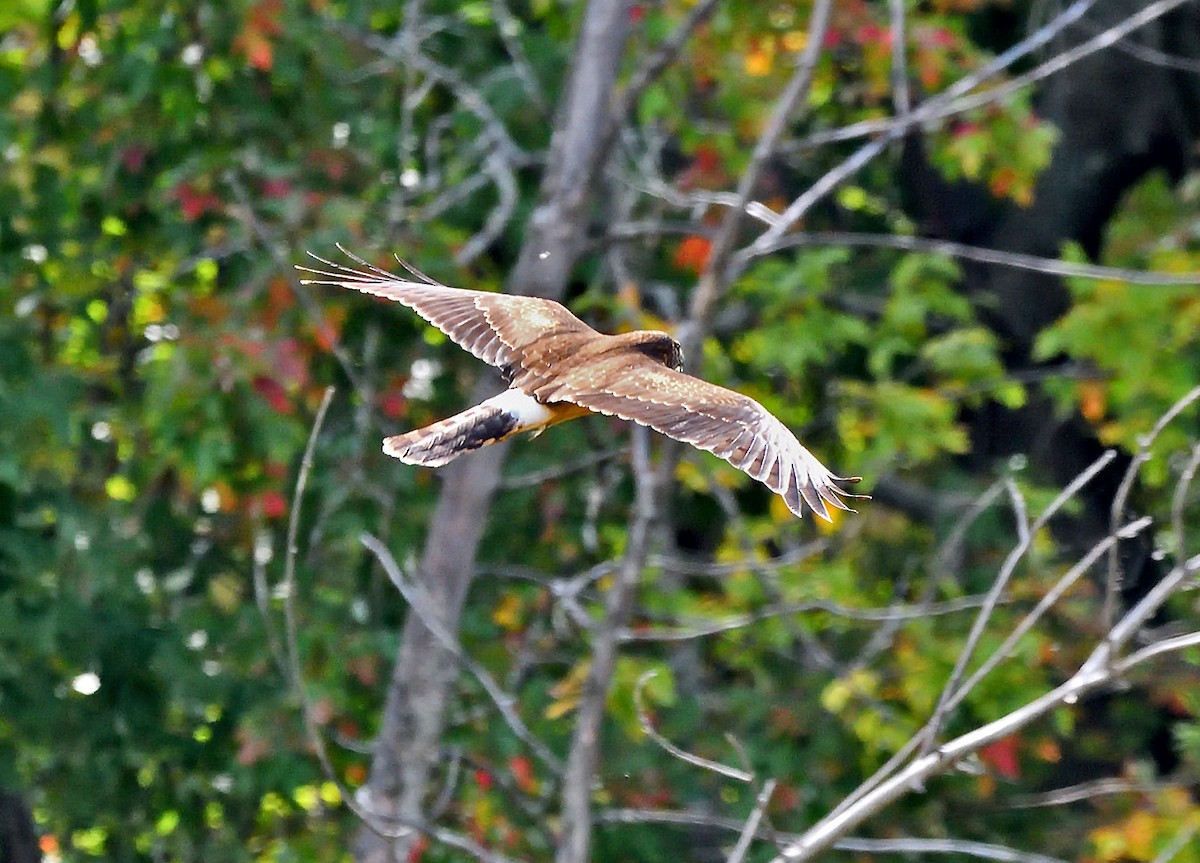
1140, 830
508, 613
119, 488
568, 691
559, 709
795, 40
757, 62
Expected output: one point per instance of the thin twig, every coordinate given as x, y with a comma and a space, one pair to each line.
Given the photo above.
312, 309
925, 111
1179, 501
715, 277
1112, 586
751, 829
422, 605
977, 254
1044, 604
949, 554
695, 760
585, 742
1181, 840
888, 614
291, 632
934, 725
653, 66
262, 599
951, 102
288, 587
509, 28
900, 94
1087, 791
559, 471
895, 845
1097, 672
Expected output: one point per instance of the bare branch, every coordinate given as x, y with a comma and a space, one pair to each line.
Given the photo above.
1146, 54
585, 742
1181, 840
505, 180
1016, 260
934, 725
422, 605
1097, 672
658, 61
948, 559
1044, 604
715, 276
695, 760
896, 126
288, 586
509, 28
291, 630
563, 469
982, 850
1105, 39
895, 845
900, 94
952, 101
889, 614
1113, 584
1087, 791
1179, 501
748, 832
303, 293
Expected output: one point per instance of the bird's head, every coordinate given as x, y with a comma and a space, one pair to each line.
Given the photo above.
658, 346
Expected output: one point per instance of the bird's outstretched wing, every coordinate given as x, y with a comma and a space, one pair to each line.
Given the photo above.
728, 424
497, 328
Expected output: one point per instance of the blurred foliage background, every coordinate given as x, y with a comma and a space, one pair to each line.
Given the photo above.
162, 166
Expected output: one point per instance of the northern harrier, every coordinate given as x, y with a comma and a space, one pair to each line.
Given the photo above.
559, 368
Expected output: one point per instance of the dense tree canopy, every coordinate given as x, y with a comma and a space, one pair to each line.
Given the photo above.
952, 245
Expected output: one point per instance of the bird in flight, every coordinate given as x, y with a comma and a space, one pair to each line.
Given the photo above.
558, 368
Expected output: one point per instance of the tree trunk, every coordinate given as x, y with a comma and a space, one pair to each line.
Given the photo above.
418, 692
18, 835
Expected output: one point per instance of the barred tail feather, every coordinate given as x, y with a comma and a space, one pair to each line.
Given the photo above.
444, 441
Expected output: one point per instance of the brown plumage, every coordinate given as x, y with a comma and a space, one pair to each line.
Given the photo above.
559, 368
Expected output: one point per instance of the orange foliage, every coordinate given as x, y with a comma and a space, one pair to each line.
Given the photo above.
692, 254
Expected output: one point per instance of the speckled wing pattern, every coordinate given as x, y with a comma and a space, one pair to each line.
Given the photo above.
497, 328
712, 418
534, 341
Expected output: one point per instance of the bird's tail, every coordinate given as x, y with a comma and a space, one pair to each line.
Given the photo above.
444, 441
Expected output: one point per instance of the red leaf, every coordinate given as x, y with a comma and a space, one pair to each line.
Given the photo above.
133, 158
692, 254
195, 203
707, 157
274, 504
276, 188
417, 851
392, 403
483, 779
522, 771
873, 34
1001, 756
273, 392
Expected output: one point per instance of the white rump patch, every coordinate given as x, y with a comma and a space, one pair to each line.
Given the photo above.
530, 413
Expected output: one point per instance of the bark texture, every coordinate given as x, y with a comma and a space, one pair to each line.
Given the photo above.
420, 686
18, 835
